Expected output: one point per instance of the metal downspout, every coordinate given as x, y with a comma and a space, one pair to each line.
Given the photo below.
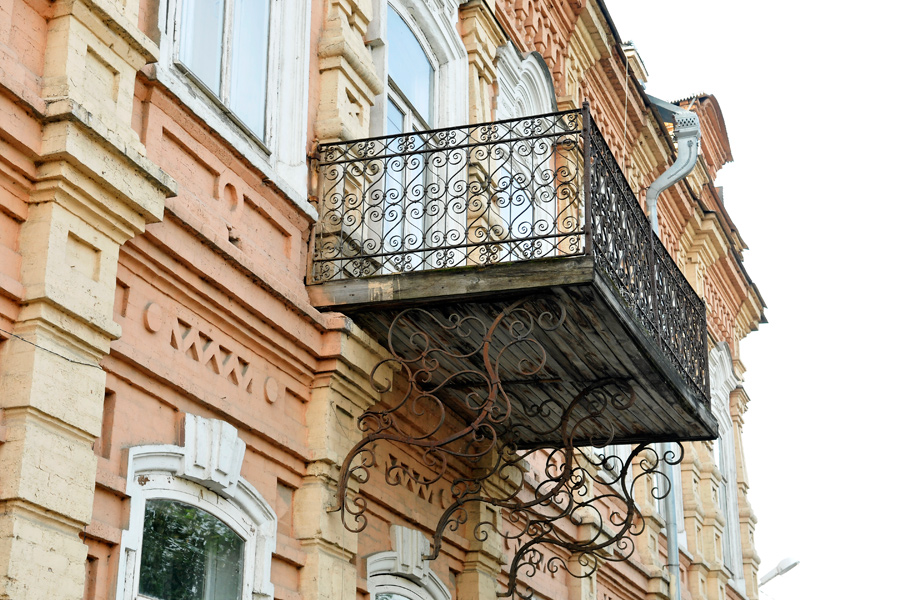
672, 560
687, 136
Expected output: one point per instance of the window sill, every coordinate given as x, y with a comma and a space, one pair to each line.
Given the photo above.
211, 112
192, 80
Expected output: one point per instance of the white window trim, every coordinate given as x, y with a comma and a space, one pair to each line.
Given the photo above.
433, 22
723, 380
525, 85
402, 570
282, 156
204, 472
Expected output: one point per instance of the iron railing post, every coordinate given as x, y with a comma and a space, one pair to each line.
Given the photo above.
315, 236
704, 356
654, 294
588, 160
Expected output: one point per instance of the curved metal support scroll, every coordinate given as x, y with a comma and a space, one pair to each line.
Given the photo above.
456, 414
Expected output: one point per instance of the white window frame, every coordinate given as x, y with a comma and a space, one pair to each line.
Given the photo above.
204, 472
525, 86
225, 69
281, 155
434, 25
403, 570
524, 89
723, 380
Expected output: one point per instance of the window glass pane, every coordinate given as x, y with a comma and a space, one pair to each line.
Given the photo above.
249, 54
200, 40
188, 554
390, 596
394, 119
408, 66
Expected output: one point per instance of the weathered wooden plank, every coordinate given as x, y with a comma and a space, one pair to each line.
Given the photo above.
448, 285
598, 339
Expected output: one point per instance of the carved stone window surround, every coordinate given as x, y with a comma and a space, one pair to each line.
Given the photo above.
203, 472
723, 380
402, 570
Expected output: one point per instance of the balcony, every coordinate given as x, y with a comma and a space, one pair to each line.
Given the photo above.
512, 274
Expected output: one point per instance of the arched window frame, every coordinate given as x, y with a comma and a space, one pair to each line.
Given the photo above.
203, 472
525, 86
434, 26
402, 569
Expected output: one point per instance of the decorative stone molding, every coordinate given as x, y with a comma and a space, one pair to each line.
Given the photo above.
481, 36
348, 77
526, 85
387, 570
213, 454
210, 458
722, 381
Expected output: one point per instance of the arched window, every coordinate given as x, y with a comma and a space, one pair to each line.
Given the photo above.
400, 573
524, 207
187, 552
410, 105
425, 88
408, 37
197, 530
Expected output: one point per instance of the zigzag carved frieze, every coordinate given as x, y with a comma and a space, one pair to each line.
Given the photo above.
204, 346
201, 348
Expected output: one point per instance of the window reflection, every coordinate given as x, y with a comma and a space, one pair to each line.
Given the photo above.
202, 22
230, 61
409, 69
248, 63
188, 554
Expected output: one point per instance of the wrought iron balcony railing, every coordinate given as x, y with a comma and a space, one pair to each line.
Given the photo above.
507, 191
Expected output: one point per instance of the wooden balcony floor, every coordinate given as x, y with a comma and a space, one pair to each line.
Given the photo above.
597, 340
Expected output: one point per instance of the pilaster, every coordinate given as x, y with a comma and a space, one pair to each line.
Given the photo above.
695, 515
483, 561
340, 394
746, 517
649, 543
712, 575
92, 190
481, 36
347, 76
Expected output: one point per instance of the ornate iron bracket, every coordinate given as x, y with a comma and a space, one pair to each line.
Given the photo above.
457, 417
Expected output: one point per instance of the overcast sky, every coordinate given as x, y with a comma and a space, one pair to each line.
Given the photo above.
808, 91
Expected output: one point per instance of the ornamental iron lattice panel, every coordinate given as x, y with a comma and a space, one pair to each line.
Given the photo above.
475, 195
500, 192
574, 502
629, 254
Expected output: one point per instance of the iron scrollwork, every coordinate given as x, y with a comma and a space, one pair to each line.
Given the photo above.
513, 190
474, 195
456, 416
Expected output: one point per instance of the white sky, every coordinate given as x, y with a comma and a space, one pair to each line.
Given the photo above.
809, 93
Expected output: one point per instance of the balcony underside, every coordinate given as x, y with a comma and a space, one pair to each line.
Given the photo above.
586, 340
